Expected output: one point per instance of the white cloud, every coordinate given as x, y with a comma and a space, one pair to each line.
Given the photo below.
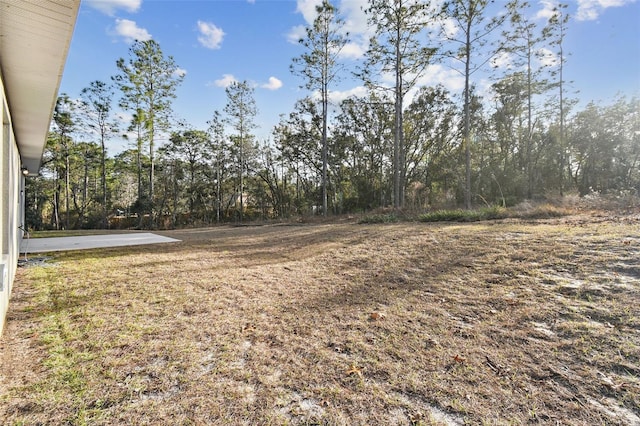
587, 10
130, 31
109, 7
180, 72
503, 60
484, 89
433, 75
273, 84
124, 117
308, 9
210, 35
547, 58
548, 9
353, 51
355, 25
436, 74
337, 96
449, 28
226, 81
590, 10
296, 34
355, 18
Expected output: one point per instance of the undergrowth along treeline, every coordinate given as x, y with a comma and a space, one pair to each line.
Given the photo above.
623, 204
516, 142
542, 211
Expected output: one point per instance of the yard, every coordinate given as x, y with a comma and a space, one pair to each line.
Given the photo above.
496, 322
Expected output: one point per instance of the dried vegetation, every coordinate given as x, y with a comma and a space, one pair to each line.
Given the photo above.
504, 322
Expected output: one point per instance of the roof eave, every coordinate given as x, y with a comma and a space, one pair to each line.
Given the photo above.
34, 44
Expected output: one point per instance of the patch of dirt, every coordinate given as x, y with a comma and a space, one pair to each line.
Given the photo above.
448, 324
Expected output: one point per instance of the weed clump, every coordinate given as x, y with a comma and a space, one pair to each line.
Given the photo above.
524, 210
380, 218
527, 210
459, 215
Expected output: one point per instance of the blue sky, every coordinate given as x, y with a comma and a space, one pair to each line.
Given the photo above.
218, 41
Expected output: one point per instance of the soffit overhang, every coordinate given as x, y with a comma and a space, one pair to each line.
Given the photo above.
34, 41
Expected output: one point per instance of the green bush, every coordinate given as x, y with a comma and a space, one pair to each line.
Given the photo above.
380, 218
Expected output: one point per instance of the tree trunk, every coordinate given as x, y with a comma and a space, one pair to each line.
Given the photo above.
105, 213
397, 136
467, 120
324, 149
67, 176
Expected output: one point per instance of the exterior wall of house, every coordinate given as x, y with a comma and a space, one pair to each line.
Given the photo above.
36, 36
11, 206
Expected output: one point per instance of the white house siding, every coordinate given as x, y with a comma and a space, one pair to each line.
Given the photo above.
34, 41
11, 207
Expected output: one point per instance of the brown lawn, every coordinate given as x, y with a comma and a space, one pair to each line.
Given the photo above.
505, 322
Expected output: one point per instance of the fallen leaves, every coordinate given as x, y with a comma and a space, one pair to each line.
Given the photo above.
460, 360
377, 316
354, 370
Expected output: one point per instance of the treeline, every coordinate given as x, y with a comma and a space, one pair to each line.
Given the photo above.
406, 146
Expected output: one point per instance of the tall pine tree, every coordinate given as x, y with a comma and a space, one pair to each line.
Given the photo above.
241, 111
148, 82
319, 65
398, 48
472, 30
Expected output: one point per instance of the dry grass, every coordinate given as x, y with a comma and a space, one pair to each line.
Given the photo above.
488, 323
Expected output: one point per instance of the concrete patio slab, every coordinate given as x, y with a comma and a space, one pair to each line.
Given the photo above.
43, 245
